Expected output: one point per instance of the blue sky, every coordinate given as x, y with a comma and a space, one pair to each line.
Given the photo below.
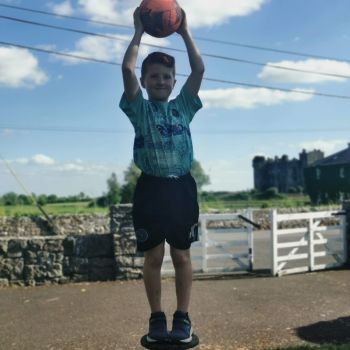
60, 126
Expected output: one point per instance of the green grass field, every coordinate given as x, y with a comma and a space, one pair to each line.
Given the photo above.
83, 208
213, 204
207, 206
51, 209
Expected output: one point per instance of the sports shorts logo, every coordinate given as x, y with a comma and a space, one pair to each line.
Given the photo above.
194, 233
141, 235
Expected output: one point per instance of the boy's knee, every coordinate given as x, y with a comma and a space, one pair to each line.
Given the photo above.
154, 257
180, 257
153, 261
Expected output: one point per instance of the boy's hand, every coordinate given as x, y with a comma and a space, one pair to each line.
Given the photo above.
183, 27
137, 21
194, 80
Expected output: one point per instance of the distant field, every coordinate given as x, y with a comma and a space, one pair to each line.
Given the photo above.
210, 205
51, 209
207, 206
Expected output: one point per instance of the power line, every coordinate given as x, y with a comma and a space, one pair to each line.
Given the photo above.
262, 48
297, 91
63, 129
65, 16
198, 131
111, 37
223, 42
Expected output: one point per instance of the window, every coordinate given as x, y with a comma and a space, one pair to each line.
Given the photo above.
318, 173
342, 173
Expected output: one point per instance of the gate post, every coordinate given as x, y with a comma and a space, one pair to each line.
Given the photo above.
274, 240
204, 233
249, 214
346, 208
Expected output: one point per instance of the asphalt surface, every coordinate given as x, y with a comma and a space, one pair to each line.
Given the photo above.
250, 312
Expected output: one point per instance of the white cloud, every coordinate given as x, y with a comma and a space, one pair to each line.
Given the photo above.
80, 167
19, 68
37, 159
316, 65
64, 8
7, 132
107, 49
20, 161
248, 98
41, 159
327, 146
73, 167
211, 13
109, 10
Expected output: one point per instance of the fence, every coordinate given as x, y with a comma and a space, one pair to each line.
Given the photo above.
220, 249
318, 242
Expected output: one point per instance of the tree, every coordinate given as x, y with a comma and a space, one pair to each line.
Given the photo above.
113, 194
131, 175
52, 198
9, 198
199, 175
23, 199
42, 199
271, 193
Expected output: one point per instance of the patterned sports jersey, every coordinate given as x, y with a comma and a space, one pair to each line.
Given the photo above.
163, 144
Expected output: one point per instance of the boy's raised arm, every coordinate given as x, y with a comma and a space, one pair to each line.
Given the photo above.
194, 80
131, 84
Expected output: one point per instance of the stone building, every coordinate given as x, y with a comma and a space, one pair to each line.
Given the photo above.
328, 180
283, 173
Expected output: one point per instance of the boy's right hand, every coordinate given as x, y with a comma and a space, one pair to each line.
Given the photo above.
183, 26
137, 21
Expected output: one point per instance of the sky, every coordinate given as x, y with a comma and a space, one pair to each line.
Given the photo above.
62, 132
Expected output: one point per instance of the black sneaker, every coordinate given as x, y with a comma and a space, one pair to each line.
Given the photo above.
157, 327
182, 328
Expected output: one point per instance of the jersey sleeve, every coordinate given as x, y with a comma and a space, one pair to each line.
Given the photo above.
133, 109
188, 104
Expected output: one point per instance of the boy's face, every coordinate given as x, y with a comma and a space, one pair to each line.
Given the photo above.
159, 82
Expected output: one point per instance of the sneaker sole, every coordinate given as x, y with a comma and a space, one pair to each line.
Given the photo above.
152, 340
187, 340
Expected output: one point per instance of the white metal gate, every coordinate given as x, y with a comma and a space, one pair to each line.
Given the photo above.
312, 244
222, 249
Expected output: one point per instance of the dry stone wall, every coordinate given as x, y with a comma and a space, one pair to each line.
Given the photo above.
92, 248
89, 248
67, 225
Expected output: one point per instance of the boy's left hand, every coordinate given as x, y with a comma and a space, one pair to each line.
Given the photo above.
183, 26
137, 20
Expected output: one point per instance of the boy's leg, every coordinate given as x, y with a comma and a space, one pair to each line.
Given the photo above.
182, 328
152, 277
183, 277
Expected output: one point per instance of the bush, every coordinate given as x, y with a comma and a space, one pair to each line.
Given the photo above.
9, 198
102, 201
271, 193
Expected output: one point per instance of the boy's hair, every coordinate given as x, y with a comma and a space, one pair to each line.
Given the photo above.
157, 57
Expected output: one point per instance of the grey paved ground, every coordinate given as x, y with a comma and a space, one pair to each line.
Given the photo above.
237, 313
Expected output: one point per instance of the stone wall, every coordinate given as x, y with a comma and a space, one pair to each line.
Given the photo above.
92, 248
67, 225
41, 260
30, 253
128, 261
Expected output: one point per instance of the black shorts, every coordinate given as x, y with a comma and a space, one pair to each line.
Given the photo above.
165, 208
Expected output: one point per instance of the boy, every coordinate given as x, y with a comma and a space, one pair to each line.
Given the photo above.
165, 202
